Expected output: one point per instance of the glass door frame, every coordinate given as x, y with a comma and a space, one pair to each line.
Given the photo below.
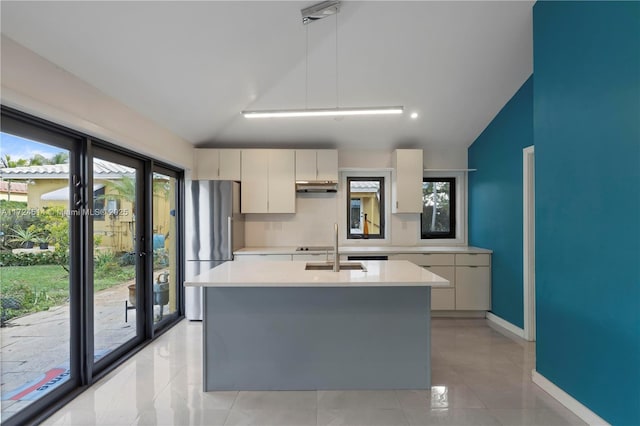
44, 132
141, 249
157, 167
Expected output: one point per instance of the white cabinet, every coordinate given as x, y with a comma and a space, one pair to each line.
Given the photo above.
282, 181
473, 288
217, 164
469, 275
444, 299
317, 165
406, 181
473, 259
254, 192
268, 181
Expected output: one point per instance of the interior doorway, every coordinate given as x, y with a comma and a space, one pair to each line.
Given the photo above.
529, 244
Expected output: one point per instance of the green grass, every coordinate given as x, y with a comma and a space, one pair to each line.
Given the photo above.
41, 287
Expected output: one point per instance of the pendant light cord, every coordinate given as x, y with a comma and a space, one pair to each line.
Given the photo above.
306, 81
337, 96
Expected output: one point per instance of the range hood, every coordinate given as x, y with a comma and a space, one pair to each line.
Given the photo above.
316, 186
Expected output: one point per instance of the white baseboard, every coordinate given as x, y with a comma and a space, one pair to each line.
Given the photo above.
457, 314
567, 400
505, 324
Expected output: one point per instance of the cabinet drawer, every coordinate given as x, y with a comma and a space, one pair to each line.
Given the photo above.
443, 299
429, 259
473, 288
473, 259
262, 257
447, 272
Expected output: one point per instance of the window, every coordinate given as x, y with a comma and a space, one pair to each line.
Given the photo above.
438, 218
365, 207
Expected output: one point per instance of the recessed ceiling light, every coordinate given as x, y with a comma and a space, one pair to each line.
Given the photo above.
414, 115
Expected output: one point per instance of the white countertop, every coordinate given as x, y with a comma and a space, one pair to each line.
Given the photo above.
367, 250
393, 273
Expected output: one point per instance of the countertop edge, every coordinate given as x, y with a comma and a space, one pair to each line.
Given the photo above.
264, 274
289, 250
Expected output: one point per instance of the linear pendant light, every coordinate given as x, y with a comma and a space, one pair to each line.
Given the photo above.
323, 112
309, 15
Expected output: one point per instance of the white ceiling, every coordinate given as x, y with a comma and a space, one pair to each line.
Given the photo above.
193, 66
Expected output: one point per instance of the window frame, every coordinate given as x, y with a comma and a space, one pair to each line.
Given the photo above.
369, 176
462, 177
452, 211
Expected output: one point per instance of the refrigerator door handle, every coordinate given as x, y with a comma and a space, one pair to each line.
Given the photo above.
230, 234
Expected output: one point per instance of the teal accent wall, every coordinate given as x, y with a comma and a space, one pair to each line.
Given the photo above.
586, 107
495, 199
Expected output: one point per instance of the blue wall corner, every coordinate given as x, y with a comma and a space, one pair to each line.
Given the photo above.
587, 138
495, 199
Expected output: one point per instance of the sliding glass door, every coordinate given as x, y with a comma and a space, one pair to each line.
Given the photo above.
166, 291
38, 264
117, 224
89, 260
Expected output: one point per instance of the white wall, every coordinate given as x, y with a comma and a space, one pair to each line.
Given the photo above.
34, 85
315, 214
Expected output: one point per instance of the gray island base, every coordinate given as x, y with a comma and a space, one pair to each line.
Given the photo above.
278, 326
317, 338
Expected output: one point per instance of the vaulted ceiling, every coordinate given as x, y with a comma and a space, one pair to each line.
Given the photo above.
193, 66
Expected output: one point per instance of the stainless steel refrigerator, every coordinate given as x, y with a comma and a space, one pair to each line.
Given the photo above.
214, 230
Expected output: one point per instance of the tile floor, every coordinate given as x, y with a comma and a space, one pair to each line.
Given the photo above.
480, 377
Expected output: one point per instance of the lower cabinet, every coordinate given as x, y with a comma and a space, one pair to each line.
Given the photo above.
469, 275
473, 288
444, 299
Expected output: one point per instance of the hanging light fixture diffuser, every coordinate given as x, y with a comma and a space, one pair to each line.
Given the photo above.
323, 112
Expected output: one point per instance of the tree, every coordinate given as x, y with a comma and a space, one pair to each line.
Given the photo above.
8, 162
38, 160
59, 158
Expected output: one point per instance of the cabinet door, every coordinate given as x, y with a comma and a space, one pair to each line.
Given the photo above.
473, 259
327, 164
282, 181
255, 178
443, 299
473, 288
306, 164
406, 182
429, 259
206, 164
229, 168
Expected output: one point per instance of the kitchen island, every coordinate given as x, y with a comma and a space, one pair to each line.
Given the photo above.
277, 326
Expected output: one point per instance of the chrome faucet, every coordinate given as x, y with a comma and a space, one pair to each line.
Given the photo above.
336, 255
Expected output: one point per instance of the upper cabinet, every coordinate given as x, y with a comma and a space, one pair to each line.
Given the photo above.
317, 165
406, 181
268, 181
217, 164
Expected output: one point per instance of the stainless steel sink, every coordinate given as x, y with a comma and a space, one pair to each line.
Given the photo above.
350, 266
